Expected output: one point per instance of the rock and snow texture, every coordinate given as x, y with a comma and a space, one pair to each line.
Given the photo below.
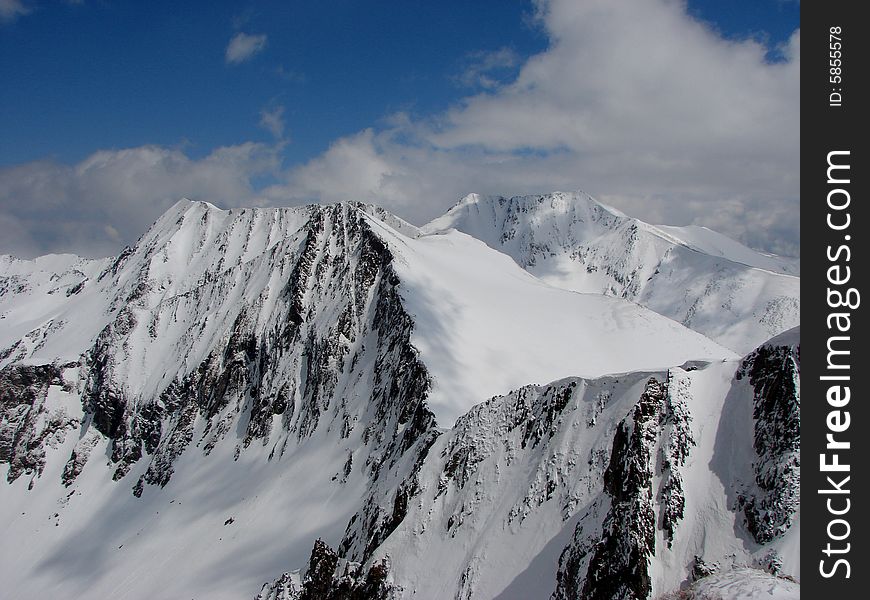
745, 584
257, 400
229, 386
621, 485
704, 280
483, 325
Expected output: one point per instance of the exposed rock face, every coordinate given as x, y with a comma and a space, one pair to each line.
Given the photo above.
28, 422
619, 565
616, 564
676, 443
330, 578
285, 364
774, 373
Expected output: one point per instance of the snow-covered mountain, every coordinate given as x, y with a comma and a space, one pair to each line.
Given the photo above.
704, 280
624, 486
298, 398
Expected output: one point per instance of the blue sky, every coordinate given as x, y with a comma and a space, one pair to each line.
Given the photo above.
278, 94
123, 73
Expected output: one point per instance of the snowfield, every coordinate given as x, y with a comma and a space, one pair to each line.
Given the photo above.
484, 326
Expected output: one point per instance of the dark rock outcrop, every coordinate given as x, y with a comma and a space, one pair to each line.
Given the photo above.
330, 578
618, 569
654, 440
774, 374
27, 425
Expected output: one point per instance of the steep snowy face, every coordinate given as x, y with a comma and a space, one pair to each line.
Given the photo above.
708, 282
255, 321
610, 488
259, 357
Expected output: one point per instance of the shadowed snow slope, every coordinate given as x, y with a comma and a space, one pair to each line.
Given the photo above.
702, 279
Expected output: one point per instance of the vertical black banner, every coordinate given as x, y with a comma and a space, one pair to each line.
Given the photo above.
835, 419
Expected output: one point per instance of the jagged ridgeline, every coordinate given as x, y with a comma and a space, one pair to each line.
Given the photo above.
269, 395
270, 325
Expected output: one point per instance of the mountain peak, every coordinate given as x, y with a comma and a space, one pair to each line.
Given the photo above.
698, 277
576, 202
261, 378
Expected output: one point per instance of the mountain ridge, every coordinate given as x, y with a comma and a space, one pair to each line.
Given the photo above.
714, 285
241, 384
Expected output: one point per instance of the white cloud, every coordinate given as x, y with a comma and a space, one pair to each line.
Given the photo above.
640, 77
111, 197
637, 103
364, 175
482, 67
243, 47
12, 9
272, 120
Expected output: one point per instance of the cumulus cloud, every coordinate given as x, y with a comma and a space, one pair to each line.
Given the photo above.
637, 103
640, 75
111, 197
244, 46
12, 9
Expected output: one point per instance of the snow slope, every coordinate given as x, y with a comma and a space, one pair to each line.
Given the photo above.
32, 289
520, 486
484, 326
185, 420
708, 282
218, 529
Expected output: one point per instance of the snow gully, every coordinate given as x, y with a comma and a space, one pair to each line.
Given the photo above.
841, 300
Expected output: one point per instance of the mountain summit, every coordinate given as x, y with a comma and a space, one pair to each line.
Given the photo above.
328, 402
704, 280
